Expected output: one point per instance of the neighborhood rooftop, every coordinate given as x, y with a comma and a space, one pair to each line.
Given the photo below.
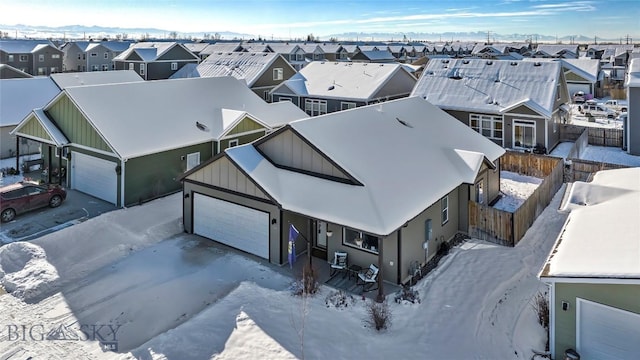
19, 96
65, 80
398, 182
493, 86
248, 66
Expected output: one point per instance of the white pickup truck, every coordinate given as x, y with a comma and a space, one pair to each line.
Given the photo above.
617, 105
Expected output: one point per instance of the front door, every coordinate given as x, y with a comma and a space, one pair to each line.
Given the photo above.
320, 240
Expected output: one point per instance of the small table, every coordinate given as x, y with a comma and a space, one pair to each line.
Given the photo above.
353, 270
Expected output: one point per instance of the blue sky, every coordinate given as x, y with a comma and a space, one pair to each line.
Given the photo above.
611, 19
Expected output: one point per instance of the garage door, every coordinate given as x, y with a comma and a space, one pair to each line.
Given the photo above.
94, 176
574, 88
604, 332
232, 224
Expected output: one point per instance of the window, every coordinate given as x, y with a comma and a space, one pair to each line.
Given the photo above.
360, 240
42, 71
193, 160
267, 96
106, 55
94, 54
480, 192
84, 56
315, 107
174, 66
524, 134
54, 70
428, 230
105, 67
278, 74
284, 99
24, 58
41, 58
94, 67
131, 66
444, 205
488, 126
10, 58
55, 56
232, 143
299, 57
347, 105
79, 56
141, 69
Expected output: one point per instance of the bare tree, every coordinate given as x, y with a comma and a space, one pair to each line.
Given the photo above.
173, 35
217, 36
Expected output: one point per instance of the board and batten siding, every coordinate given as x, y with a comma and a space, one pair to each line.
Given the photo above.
243, 139
245, 125
624, 297
34, 128
289, 150
75, 126
150, 176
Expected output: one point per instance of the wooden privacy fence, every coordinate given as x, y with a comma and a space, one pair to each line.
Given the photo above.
597, 136
583, 170
506, 228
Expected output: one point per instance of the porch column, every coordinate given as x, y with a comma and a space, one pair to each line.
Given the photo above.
49, 169
59, 150
17, 155
380, 297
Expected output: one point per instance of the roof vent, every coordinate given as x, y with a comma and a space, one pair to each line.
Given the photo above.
445, 61
331, 87
513, 63
201, 126
489, 62
465, 61
536, 63
404, 123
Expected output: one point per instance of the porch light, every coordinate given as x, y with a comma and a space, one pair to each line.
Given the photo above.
329, 233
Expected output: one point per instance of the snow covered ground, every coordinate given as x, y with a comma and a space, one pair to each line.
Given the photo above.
163, 294
515, 189
605, 154
576, 118
6, 179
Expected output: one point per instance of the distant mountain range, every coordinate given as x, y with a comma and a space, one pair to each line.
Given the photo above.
78, 32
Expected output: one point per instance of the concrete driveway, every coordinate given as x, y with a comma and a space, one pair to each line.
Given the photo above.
77, 208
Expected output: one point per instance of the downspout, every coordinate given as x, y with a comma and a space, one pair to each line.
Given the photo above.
122, 177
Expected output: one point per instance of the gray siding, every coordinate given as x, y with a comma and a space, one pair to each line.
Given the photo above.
8, 144
633, 121
400, 85
49, 63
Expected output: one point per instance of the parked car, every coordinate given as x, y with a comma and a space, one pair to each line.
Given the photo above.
579, 97
26, 196
597, 110
622, 117
617, 105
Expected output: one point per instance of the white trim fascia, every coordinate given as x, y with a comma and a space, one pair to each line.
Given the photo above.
243, 134
586, 280
546, 134
36, 139
98, 151
552, 319
578, 302
122, 181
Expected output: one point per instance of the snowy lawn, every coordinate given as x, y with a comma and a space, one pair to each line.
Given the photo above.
515, 189
612, 155
175, 296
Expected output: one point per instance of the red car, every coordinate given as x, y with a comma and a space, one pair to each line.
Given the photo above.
25, 196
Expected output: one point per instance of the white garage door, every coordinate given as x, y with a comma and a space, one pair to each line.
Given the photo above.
604, 332
574, 88
232, 224
94, 176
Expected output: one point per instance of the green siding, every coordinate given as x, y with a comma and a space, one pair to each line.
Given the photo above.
623, 297
570, 76
34, 128
148, 177
245, 139
75, 126
245, 125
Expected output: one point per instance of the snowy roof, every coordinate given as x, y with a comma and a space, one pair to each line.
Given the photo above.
196, 47
633, 76
489, 86
384, 201
117, 46
65, 80
169, 110
221, 48
19, 96
150, 51
330, 47
248, 66
601, 237
22, 46
375, 55
357, 81
283, 48
555, 49
11, 72
587, 68
612, 49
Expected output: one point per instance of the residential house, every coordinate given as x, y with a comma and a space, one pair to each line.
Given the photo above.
331, 179
133, 150
632, 125
334, 52
313, 52
197, 47
220, 47
517, 104
17, 98
593, 270
35, 57
374, 56
555, 51
325, 87
399, 52
262, 71
293, 53
581, 74
83, 56
617, 54
9, 72
155, 60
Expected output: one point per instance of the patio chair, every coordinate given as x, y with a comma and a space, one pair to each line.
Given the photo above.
339, 263
368, 278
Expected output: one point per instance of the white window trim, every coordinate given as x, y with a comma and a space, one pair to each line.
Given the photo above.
232, 143
23, 58
285, 99
142, 69
361, 235
309, 107
278, 74
106, 55
444, 210
480, 119
193, 159
131, 66
41, 58
524, 123
174, 66
348, 104
94, 54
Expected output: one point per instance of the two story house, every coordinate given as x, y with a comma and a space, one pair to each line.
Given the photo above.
35, 57
155, 60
